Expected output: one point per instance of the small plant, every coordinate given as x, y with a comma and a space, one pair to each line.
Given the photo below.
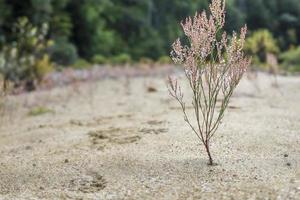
99, 59
40, 110
82, 64
122, 58
213, 65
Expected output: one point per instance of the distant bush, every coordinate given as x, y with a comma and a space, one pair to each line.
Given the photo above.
291, 60
81, 64
259, 44
164, 60
20, 59
121, 59
63, 53
43, 66
99, 59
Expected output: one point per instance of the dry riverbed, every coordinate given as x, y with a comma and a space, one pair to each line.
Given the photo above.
126, 139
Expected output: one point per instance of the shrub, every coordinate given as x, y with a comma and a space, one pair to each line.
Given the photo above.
99, 59
18, 59
291, 60
81, 64
260, 44
213, 68
122, 59
43, 66
164, 60
63, 53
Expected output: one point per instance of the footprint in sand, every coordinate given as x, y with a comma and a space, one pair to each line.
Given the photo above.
101, 138
106, 137
153, 130
88, 184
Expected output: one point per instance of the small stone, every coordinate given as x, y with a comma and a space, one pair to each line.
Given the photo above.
286, 155
293, 180
288, 164
42, 188
28, 147
151, 89
66, 160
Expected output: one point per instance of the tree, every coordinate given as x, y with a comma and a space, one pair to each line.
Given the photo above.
93, 37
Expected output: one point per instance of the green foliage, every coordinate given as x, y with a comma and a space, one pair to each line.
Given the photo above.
235, 16
99, 59
63, 52
94, 37
39, 111
164, 60
20, 58
259, 44
43, 66
276, 15
81, 64
121, 59
140, 28
291, 60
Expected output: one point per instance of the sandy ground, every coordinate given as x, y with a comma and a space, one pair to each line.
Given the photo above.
115, 139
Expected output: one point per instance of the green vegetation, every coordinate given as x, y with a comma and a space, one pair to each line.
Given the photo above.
126, 31
260, 44
164, 60
99, 59
291, 60
63, 52
24, 60
40, 110
121, 59
143, 28
81, 64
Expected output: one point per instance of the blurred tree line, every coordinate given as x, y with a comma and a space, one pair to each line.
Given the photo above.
138, 28
126, 30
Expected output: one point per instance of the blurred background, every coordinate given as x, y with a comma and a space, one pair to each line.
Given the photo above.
38, 37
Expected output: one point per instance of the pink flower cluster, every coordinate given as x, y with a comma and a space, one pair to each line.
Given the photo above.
205, 53
214, 65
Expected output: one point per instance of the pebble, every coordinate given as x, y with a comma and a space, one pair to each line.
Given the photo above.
28, 147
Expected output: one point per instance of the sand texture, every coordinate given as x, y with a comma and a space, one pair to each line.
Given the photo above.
125, 138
